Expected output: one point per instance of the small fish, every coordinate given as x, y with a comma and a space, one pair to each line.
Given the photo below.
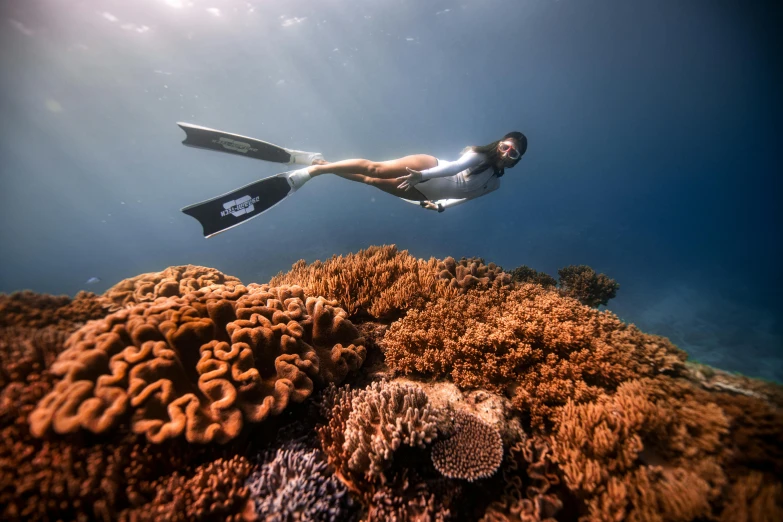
93, 280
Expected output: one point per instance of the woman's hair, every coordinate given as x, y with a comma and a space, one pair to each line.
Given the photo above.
492, 154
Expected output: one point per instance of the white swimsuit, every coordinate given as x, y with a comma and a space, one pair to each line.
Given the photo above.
454, 181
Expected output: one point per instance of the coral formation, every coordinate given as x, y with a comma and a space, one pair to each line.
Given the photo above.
293, 482
538, 347
200, 364
173, 281
583, 284
384, 283
471, 272
651, 451
367, 426
213, 491
103, 415
525, 274
473, 452
532, 484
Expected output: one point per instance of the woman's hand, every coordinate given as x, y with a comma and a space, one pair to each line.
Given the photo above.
431, 205
413, 178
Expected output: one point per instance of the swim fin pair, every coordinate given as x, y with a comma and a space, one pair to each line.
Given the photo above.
233, 208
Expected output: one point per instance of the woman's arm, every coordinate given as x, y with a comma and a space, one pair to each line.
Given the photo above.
449, 168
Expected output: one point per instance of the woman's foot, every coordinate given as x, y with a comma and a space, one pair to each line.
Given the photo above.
297, 178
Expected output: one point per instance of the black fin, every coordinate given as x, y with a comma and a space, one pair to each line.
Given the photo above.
243, 204
211, 139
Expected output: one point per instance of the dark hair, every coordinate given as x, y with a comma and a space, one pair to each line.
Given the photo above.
491, 152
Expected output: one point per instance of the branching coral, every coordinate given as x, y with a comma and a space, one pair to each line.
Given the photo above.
201, 364
583, 284
294, 483
538, 347
384, 283
213, 491
378, 281
754, 498
652, 451
474, 451
367, 426
173, 281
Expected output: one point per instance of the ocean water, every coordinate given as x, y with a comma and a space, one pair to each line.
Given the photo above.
654, 144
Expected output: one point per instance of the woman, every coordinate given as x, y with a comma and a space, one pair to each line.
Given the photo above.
426, 179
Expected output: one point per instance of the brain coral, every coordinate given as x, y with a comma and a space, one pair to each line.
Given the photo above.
536, 346
173, 281
473, 452
200, 364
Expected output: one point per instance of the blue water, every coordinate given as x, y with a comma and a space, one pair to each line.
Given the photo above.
654, 144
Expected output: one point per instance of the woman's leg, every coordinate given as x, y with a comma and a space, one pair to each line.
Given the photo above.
376, 169
380, 174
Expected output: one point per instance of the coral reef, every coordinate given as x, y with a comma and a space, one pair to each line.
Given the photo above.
583, 284
201, 364
146, 403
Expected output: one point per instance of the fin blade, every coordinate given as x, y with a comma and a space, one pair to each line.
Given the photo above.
233, 208
220, 141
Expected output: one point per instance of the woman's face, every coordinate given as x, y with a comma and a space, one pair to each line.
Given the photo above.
508, 151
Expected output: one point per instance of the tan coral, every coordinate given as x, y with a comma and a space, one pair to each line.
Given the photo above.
652, 451
471, 272
173, 281
384, 283
201, 364
532, 483
540, 348
754, 498
373, 423
474, 451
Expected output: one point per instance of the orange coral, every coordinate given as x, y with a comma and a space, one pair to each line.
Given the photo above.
540, 348
377, 281
173, 281
384, 283
213, 491
531, 480
754, 498
200, 364
470, 272
651, 451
